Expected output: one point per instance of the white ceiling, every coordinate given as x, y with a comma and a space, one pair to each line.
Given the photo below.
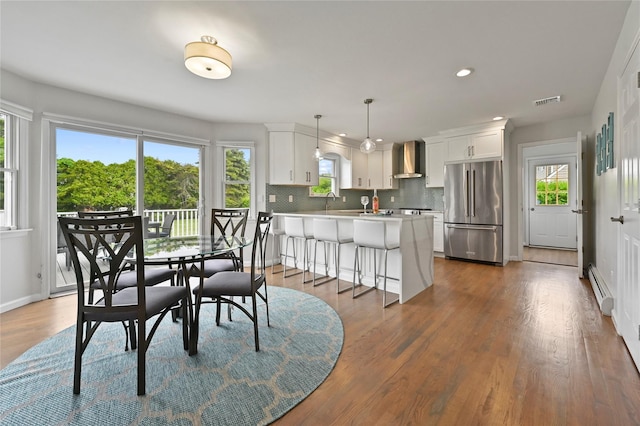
292, 60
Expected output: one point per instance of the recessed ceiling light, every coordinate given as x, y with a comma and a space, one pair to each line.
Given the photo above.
342, 134
464, 72
379, 140
497, 118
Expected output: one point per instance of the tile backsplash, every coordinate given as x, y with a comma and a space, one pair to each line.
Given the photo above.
411, 193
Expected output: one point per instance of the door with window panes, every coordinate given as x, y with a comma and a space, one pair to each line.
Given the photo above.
552, 196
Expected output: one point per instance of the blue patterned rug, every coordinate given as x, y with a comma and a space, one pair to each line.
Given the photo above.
226, 383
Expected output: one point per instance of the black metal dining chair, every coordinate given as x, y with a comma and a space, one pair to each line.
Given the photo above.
223, 286
100, 250
128, 278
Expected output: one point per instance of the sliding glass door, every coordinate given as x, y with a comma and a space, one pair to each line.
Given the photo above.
100, 170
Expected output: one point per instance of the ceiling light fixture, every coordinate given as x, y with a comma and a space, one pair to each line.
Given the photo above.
499, 117
206, 59
317, 155
464, 72
368, 145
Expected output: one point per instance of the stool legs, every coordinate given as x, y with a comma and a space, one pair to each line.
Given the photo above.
356, 269
273, 254
286, 255
305, 259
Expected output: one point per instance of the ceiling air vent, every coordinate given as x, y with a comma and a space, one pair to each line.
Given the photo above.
551, 100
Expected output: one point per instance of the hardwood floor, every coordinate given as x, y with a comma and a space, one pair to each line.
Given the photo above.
550, 255
520, 345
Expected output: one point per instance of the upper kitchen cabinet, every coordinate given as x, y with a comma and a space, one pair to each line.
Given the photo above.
369, 171
291, 159
483, 142
436, 152
389, 160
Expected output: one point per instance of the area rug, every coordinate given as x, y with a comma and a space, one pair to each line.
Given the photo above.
226, 383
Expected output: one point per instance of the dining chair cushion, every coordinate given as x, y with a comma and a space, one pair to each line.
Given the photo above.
157, 298
214, 266
227, 284
152, 276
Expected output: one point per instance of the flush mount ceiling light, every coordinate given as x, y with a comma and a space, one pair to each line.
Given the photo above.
368, 145
464, 72
499, 117
317, 155
206, 59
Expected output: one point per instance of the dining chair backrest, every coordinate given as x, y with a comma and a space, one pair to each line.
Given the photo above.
258, 254
107, 245
167, 223
229, 222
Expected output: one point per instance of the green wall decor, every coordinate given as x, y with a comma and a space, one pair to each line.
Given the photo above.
604, 147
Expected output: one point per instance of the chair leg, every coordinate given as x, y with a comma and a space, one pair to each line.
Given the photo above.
266, 303
356, 268
185, 324
384, 294
142, 353
338, 271
77, 363
255, 321
195, 325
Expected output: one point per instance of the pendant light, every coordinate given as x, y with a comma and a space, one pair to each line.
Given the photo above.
368, 145
317, 155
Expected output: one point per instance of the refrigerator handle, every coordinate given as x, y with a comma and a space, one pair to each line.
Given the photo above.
472, 194
466, 193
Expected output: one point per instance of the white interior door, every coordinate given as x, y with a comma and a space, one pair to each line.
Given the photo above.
628, 163
552, 197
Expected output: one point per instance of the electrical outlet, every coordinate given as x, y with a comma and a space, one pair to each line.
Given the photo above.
291, 198
272, 198
393, 199
344, 198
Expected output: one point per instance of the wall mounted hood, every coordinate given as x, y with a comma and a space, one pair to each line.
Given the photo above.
411, 154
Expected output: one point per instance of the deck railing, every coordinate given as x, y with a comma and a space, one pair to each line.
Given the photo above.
186, 222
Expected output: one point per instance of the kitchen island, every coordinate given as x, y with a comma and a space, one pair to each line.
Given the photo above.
410, 268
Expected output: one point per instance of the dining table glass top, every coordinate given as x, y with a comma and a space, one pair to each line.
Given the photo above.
195, 246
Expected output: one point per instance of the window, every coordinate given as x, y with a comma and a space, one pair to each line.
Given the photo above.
14, 122
328, 172
552, 185
238, 176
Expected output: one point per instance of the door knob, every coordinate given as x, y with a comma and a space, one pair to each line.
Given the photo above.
532, 209
618, 219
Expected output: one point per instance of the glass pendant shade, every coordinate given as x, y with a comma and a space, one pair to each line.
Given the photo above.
317, 155
368, 145
206, 59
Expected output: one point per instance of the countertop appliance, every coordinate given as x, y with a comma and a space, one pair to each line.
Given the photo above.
473, 211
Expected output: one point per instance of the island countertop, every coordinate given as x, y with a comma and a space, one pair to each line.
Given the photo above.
411, 266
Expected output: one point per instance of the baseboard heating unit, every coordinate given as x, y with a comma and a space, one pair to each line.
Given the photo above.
600, 289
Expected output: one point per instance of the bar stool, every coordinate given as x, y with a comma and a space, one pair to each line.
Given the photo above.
372, 234
326, 231
294, 229
276, 234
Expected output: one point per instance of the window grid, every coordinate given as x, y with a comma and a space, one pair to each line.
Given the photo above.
552, 185
237, 177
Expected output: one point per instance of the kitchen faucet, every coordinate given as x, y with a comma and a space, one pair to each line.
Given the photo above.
326, 200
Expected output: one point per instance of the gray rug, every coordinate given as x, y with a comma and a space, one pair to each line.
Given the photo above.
226, 383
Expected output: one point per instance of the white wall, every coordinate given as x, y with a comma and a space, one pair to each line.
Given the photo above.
23, 255
606, 185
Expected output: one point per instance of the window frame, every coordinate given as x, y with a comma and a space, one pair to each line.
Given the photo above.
557, 169
335, 187
17, 122
222, 146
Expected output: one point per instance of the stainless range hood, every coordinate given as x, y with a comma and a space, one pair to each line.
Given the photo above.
410, 160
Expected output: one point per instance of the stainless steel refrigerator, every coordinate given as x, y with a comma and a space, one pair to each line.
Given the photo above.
473, 211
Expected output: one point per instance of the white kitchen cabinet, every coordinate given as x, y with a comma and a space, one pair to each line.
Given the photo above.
374, 170
478, 146
359, 169
389, 160
434, 175
438, 231
291, 159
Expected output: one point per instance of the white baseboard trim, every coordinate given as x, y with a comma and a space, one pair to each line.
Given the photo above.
23, 301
